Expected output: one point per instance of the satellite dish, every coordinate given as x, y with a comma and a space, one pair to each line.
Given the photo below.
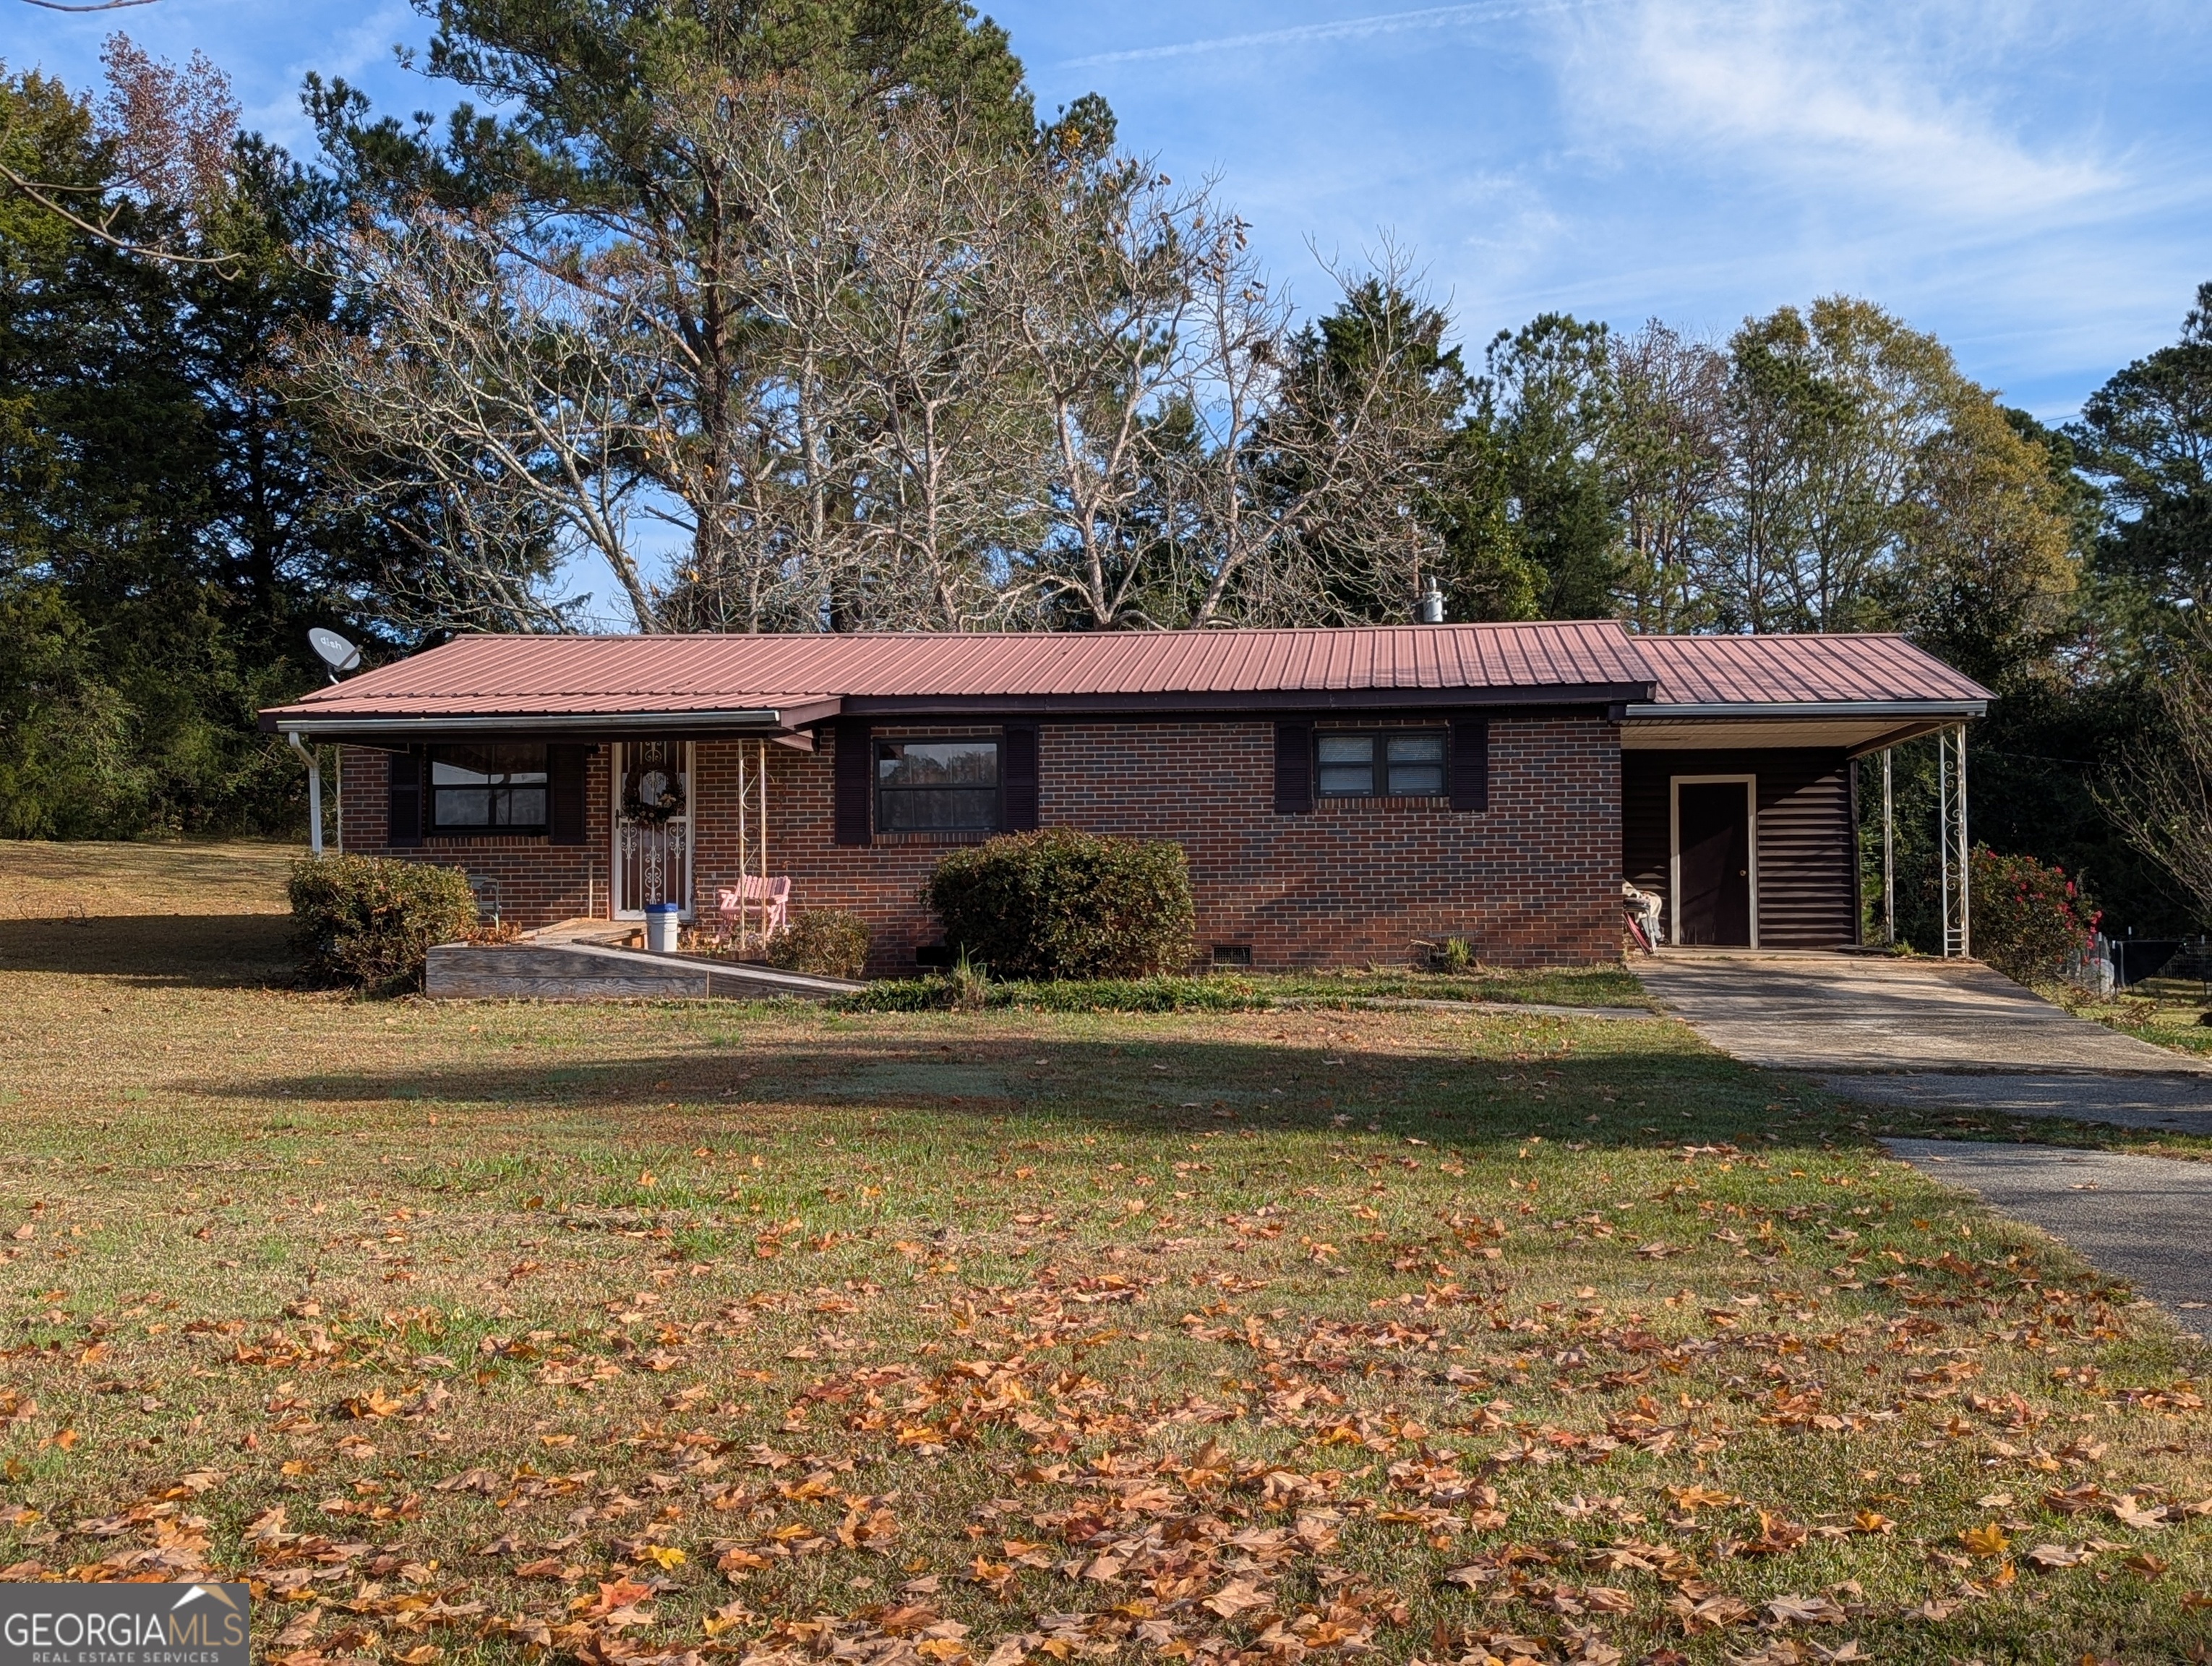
335, 652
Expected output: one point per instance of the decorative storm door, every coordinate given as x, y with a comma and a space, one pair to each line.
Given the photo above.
652, 826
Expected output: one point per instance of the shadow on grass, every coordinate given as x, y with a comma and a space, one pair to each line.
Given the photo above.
198, 951
1665, 1093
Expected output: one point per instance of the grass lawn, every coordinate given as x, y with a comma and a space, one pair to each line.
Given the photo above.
660, 1333
2165, 1012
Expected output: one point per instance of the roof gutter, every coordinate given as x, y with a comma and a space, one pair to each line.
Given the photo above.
1903, 710
1165, 704
596, 723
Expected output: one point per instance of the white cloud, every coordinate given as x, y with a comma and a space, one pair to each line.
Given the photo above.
1883, 103
367, 45
1348, 28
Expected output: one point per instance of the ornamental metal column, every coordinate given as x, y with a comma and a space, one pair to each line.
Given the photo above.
753, 838
1965, 848
1888, 856
1951, 793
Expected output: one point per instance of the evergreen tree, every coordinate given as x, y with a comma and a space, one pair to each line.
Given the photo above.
168, 524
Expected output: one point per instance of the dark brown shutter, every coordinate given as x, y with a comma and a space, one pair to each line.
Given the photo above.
1294, 769
1470, 765
1017, 777
564, 794
406, 800
851, 776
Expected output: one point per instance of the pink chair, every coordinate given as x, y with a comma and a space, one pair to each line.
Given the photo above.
764, 900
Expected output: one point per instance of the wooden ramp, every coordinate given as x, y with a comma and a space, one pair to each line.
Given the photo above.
566, 967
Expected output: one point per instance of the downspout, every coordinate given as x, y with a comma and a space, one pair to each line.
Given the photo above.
314, 792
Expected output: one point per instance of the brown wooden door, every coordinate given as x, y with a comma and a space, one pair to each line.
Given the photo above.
1712, 825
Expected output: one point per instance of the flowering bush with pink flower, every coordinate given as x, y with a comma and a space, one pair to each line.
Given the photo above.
2028, 918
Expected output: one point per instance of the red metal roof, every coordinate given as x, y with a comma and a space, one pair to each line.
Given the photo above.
479, 675
1799, 670
806, 678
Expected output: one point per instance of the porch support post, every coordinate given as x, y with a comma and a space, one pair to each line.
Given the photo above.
744, 851
1966, 869
1858, 854
1888, 856
1943, 831
313, 756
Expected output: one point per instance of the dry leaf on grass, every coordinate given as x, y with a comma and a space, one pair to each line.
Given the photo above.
1805, 1611
1238, 1597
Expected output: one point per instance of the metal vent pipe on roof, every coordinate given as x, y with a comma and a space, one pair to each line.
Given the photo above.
1430, 609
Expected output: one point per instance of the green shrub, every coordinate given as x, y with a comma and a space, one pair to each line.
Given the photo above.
2026, 919
826, 942
369, 923
1058, 904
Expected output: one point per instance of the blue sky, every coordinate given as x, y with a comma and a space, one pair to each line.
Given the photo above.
2026, 178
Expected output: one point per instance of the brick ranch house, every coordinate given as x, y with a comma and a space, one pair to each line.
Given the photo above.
1342, 794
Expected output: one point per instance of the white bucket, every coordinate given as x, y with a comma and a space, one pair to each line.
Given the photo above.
660, 927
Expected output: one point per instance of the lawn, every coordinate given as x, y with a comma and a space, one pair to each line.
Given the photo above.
2169, 1012
659, 1333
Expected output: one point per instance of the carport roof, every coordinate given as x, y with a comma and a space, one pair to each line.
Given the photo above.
1854, 693
1797, 671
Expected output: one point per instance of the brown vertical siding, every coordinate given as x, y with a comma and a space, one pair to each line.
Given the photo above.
1804, 835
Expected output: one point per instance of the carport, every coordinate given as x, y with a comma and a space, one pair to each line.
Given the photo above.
1741, 781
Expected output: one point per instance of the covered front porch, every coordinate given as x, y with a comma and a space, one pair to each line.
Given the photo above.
557, 827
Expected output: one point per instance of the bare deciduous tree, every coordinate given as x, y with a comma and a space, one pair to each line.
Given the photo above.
1317, 445
897, 440
896, 379
1668, 458
1212, 465
2161, 796
167, 135
484, 383
1103, 303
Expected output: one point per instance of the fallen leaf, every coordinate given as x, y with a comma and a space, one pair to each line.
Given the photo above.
1805, 1611
1238, 1597
1988, 1540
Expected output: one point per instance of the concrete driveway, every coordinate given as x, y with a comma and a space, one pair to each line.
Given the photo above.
1930, 1034
1957, 1036
2141, 1217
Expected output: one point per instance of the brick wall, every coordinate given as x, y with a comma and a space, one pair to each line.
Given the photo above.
1534, 881
537, 883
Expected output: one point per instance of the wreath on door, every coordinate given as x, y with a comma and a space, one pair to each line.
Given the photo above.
654, 799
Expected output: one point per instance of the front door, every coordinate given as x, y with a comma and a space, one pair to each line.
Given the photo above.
1712, 862
652, 826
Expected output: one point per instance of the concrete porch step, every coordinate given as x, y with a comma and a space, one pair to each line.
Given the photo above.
537, 970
